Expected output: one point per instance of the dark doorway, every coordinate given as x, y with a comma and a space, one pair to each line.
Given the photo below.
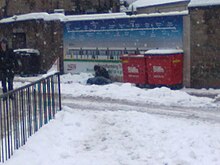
19, 40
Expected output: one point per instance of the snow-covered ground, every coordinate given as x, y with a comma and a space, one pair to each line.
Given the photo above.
103, 133
127, 91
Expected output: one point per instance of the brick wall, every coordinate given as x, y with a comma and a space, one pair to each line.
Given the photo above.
2, 5
27, 6
41, 35
205, 47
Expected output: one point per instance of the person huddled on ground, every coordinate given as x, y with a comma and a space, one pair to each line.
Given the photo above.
101, 76
101, 71
7, 65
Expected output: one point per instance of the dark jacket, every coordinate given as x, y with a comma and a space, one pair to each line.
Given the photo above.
101, 72
8, 63
101, 76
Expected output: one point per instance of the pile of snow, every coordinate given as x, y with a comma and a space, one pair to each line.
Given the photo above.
75, 85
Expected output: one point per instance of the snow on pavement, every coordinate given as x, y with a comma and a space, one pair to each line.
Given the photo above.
79, 137
94, 137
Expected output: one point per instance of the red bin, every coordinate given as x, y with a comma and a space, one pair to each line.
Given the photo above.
134, 69
164, 67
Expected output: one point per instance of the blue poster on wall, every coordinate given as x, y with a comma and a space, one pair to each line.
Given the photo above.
89, 37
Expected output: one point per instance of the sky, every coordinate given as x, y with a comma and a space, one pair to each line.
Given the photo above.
93, 129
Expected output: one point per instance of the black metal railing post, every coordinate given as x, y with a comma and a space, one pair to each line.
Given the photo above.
59, 92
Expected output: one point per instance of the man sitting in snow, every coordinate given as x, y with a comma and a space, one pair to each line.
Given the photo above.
101, 76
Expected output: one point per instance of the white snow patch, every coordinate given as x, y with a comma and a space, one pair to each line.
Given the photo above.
164, 51
197, 3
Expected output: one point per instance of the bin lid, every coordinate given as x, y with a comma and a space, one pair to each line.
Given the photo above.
132, 55
163, 51
27, 51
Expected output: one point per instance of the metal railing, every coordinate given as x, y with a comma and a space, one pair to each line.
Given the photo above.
26, 109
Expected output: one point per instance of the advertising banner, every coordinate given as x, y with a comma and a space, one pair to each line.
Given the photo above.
104, 39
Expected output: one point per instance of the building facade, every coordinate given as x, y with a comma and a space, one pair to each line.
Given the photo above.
204, 46
15, 7
45, 36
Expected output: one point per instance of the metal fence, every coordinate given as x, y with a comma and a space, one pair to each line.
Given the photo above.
26, 109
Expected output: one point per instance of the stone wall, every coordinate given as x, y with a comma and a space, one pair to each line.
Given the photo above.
16, 7
205, 47
27, 6
2, 5
41, 35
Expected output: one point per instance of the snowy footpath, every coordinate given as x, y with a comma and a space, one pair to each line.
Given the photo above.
119, 124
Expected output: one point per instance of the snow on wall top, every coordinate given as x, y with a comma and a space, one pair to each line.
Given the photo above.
146, 3
27, 51
31, 16
119, 15
94, 16
164, 51
63, 18
60, 16
197, 3
193, 3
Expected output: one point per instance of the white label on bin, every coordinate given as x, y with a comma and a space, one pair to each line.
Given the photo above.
158, 69
158, 76
132, 69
